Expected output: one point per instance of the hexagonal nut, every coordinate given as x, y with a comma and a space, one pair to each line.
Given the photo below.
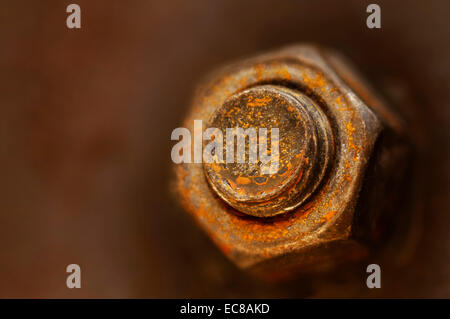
338, 217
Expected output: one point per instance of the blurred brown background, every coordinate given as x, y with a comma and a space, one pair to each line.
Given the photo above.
85, 124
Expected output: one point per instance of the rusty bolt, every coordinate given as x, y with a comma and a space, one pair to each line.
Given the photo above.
305, 149
308, 213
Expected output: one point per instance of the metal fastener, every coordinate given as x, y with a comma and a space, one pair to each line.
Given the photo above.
305, 149
330, 122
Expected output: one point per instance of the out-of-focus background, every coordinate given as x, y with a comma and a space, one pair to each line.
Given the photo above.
85, 123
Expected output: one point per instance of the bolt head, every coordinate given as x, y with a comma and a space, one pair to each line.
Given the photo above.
266, 189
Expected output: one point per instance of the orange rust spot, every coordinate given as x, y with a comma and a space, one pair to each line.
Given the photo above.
350, 130
216, 167
259, 102
228, 114
284, 73
251, 231
242, 180
347, 164
339, 100
259, 72
317, 82
328, 216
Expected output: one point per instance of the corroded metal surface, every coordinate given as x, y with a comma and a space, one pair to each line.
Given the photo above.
305, 147
325, 155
